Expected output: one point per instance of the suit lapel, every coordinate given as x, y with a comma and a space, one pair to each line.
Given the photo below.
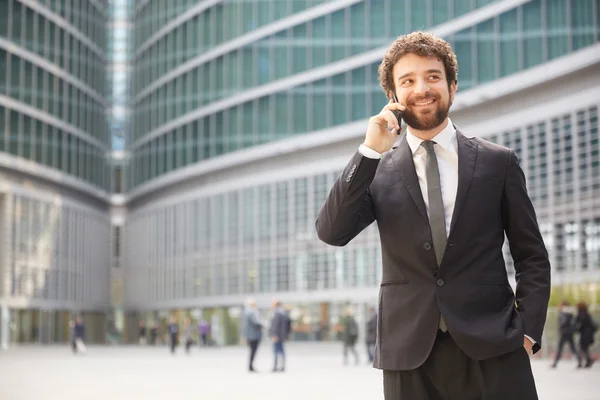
467, 155
403, 160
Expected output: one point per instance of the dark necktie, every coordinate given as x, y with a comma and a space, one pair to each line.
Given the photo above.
437, 219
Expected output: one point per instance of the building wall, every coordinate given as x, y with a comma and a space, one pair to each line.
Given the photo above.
54, 241
205, 86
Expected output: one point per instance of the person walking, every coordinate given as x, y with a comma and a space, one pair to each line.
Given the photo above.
173, 330
586, 327
188, 334
566, 330
371, 334
451, 325
349, 335
252, 331
278, 333
78, 335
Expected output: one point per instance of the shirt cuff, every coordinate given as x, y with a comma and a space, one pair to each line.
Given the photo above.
530, 338
368, 152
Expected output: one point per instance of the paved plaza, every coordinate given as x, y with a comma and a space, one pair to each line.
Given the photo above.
314, 371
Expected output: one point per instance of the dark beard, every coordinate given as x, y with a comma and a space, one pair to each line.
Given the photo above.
429, 122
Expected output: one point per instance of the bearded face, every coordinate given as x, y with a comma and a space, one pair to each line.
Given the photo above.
422, 87
426, 112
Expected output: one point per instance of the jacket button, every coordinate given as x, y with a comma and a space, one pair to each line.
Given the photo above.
427, 246
440, 282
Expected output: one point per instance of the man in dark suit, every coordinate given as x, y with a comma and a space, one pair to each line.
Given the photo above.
450, 326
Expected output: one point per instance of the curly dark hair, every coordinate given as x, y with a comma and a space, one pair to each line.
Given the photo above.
422, 44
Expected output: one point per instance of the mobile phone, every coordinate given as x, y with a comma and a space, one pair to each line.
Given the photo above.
397, 113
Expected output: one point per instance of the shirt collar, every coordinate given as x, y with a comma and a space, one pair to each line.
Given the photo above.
444, 138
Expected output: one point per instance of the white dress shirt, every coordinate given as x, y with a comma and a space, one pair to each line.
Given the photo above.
446, 151
447, 158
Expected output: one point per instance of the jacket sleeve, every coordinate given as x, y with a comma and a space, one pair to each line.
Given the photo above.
528, 252
348, 208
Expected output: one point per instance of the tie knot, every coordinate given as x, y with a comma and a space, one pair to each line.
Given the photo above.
428, 145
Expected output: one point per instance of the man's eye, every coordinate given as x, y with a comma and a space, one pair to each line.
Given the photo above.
407, 81
434, 77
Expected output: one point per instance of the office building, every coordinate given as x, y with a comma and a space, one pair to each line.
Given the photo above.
244, 114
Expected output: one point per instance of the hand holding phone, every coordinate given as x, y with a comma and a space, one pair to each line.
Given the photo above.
397, 113
384, 128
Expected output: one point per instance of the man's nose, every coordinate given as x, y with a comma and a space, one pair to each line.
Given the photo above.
421, 86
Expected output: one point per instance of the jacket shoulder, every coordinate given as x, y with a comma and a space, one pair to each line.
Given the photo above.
492, 147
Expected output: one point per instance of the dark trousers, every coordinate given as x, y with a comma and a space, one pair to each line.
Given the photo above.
371, 350
349, 347
566, 339
449, 374
174, 340
253, 344
278, 349
188, 345
585, 355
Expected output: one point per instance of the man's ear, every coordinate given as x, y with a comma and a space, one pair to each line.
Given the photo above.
452, 90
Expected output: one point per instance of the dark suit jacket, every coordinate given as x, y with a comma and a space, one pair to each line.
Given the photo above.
471, 287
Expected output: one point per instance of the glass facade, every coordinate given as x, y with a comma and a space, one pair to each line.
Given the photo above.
54, 228
52, 60
176, 89
206, 84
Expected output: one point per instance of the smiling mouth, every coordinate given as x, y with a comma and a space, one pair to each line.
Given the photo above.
424, 102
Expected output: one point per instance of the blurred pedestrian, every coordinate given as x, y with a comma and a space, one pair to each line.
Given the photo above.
371, 333
173, 330
279, 332
350, 335
252, 331
153, 334
78, 335
586, 327
204, 330
566, 329
142, 333
188, 334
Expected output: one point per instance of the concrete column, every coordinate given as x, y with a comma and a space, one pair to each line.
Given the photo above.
4, 327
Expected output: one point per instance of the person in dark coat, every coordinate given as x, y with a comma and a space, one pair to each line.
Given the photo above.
78, 335
252, 331
371, 333
279, 332
153, 334
586, 328
350, 335
173, 330
142, 333
566, 326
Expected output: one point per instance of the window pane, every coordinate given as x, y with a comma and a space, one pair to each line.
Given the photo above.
532, 33
486, 57
299, 49
318, 43
556, 17
582, 22
338, 107
376, 22
418, 11
357, 28
358, 90
440, 12
281, 115
319, 106
299, 110
338, 34
509, 47
462, 48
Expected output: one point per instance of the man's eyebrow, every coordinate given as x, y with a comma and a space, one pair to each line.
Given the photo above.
429, 71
